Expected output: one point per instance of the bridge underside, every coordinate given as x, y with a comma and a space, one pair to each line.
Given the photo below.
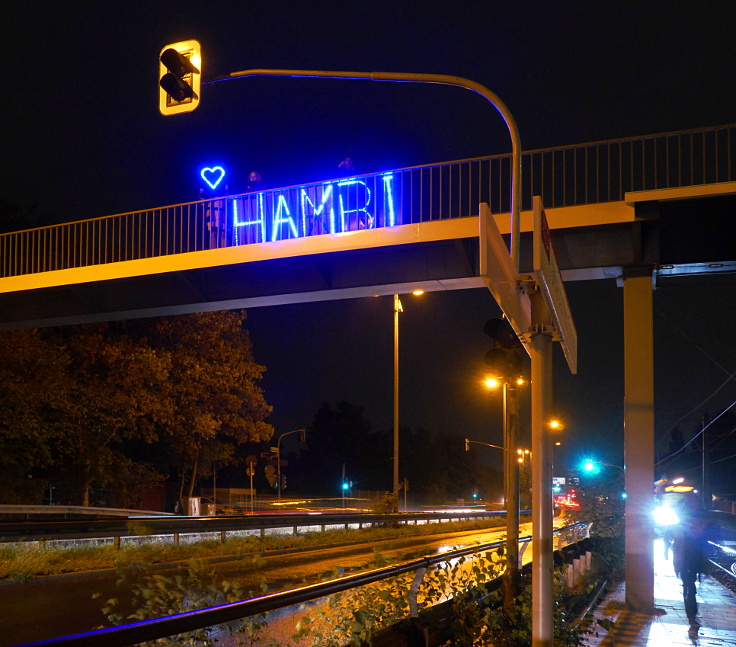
671, 234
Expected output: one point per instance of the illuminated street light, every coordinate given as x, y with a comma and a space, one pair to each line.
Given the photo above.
398, 308
492, 383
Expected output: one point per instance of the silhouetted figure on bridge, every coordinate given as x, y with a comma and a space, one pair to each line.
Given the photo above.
215, 213
255, 182
347, 166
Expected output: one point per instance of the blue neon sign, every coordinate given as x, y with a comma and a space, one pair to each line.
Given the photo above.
212, 176
325, 208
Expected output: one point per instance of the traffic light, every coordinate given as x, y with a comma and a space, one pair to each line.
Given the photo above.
505, 358
345, 485
180, 77
283, 481
590, 466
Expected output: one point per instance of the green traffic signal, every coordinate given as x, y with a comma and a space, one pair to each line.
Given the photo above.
590, 466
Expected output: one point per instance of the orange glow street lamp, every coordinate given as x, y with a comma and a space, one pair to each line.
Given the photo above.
398, 308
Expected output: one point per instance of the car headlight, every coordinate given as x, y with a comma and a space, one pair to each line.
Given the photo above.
664, 515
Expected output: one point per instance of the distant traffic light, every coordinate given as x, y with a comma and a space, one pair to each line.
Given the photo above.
283, 481
345, 485
505, 358
180, 77
590, 466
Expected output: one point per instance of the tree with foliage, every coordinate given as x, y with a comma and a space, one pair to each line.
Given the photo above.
96, 406
114, 389
215, 403
31, 375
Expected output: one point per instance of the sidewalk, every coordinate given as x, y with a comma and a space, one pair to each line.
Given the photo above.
669, 628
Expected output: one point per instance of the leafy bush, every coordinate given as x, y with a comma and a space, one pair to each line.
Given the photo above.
353, 617
155, 596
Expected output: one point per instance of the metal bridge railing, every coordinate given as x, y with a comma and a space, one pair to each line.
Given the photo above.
573, 175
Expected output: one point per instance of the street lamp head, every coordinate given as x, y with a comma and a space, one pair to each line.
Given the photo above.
492, 382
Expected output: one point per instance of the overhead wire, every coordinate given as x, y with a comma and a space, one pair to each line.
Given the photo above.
731, 377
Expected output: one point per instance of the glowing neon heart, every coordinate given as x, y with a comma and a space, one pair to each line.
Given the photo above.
212, 176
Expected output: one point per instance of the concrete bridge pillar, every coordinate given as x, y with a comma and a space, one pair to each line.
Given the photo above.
639, 439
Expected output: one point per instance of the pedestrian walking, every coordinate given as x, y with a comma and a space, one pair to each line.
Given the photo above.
690, 540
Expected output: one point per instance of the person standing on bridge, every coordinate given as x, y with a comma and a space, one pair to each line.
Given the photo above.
255, 182
690, 540
216, 216
347, 166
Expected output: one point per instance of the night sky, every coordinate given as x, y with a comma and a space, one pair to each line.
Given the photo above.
82, 137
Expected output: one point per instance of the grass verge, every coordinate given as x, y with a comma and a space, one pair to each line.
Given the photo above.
24, 561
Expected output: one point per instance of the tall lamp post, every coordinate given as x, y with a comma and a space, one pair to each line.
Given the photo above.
542, 625
511, 578
398, 308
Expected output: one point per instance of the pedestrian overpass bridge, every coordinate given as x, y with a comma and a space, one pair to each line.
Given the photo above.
663, 203
632, 209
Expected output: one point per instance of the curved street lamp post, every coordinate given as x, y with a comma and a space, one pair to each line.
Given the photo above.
542, 628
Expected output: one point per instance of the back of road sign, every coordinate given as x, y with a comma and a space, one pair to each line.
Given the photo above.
548, 278
498, 271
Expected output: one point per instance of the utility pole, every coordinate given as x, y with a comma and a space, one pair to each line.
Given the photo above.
511, 580
397, 310
542, 505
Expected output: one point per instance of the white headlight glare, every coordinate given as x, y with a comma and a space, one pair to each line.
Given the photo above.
664, 515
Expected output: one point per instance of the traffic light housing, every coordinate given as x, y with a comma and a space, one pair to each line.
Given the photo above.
180, 77
505, 357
